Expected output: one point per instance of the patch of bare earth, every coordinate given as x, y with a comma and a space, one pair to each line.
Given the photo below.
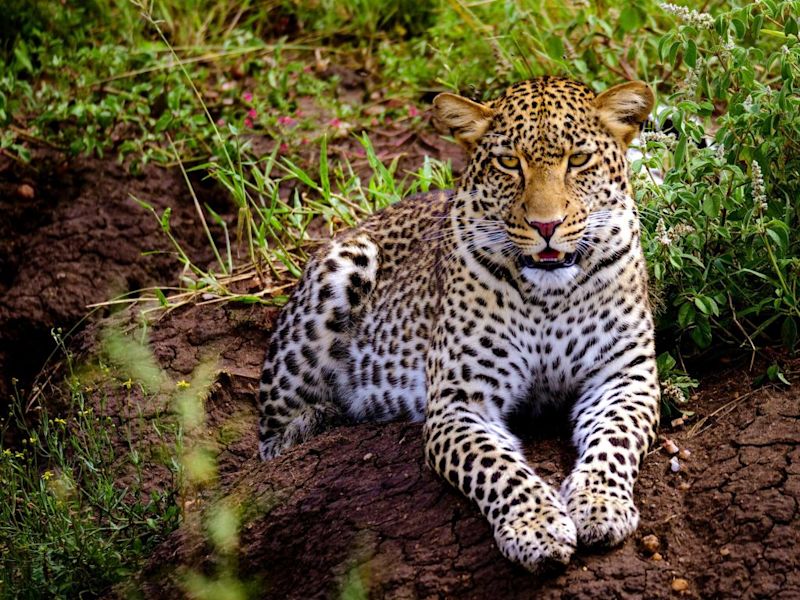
72, 235
359, 499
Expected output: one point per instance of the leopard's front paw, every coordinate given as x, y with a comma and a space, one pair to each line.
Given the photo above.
601, 517
540, 539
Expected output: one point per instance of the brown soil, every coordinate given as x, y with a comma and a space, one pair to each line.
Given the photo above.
72, 235
360, 500
357, 502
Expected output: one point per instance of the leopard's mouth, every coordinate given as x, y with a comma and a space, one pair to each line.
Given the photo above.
548, 260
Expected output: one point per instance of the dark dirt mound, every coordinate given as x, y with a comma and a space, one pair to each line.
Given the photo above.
71, 235
360, 500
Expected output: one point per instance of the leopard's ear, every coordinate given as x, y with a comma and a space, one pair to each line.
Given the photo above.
623, 108
467, 120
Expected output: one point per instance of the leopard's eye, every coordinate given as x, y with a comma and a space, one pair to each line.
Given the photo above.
578, 160
508, 162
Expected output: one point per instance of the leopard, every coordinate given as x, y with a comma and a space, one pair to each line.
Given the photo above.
523, 287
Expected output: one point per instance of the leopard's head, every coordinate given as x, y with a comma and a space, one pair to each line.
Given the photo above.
546, 159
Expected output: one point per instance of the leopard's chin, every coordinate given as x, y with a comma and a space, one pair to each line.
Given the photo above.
548, 260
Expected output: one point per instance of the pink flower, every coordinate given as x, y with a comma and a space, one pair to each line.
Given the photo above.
412, 111
284, 148
220, 122
334, 122
308, 69
248, 122
247, 97
285, 120
252, 113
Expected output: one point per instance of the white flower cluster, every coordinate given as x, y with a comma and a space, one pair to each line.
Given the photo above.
672, 393
693, 78
668, 139
666, 237
688, 16
726, 50
661, 233
647, 180
759, 189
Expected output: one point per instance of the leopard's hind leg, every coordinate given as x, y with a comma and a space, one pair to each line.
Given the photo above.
301, 391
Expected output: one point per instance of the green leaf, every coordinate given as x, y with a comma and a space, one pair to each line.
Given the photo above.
23, 57
711, 205
686, 314
739, 26
247, 299
162, 299
779, 233
665, 363
701, 335
673, 52
755, 28
774, 373
680, 151
555, 47
629, 18
702, 303
165, 219
323, 166
663, 45
690, 56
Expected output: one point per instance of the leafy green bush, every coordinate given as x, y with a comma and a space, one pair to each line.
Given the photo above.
720, 230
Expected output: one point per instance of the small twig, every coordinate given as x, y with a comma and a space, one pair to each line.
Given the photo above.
696, 428
32, 138
742, 329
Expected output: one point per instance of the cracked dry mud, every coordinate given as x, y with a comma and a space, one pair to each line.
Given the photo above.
358, 501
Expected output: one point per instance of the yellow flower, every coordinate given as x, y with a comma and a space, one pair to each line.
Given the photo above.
128, 383
47, 475
183, 384
7, 452
59, 421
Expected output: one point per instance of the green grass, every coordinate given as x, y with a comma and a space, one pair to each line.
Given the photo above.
197, 84
67, 523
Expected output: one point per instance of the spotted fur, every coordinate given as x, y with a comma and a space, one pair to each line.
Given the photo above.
524, 286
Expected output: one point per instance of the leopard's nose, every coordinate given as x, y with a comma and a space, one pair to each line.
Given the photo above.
545, 229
